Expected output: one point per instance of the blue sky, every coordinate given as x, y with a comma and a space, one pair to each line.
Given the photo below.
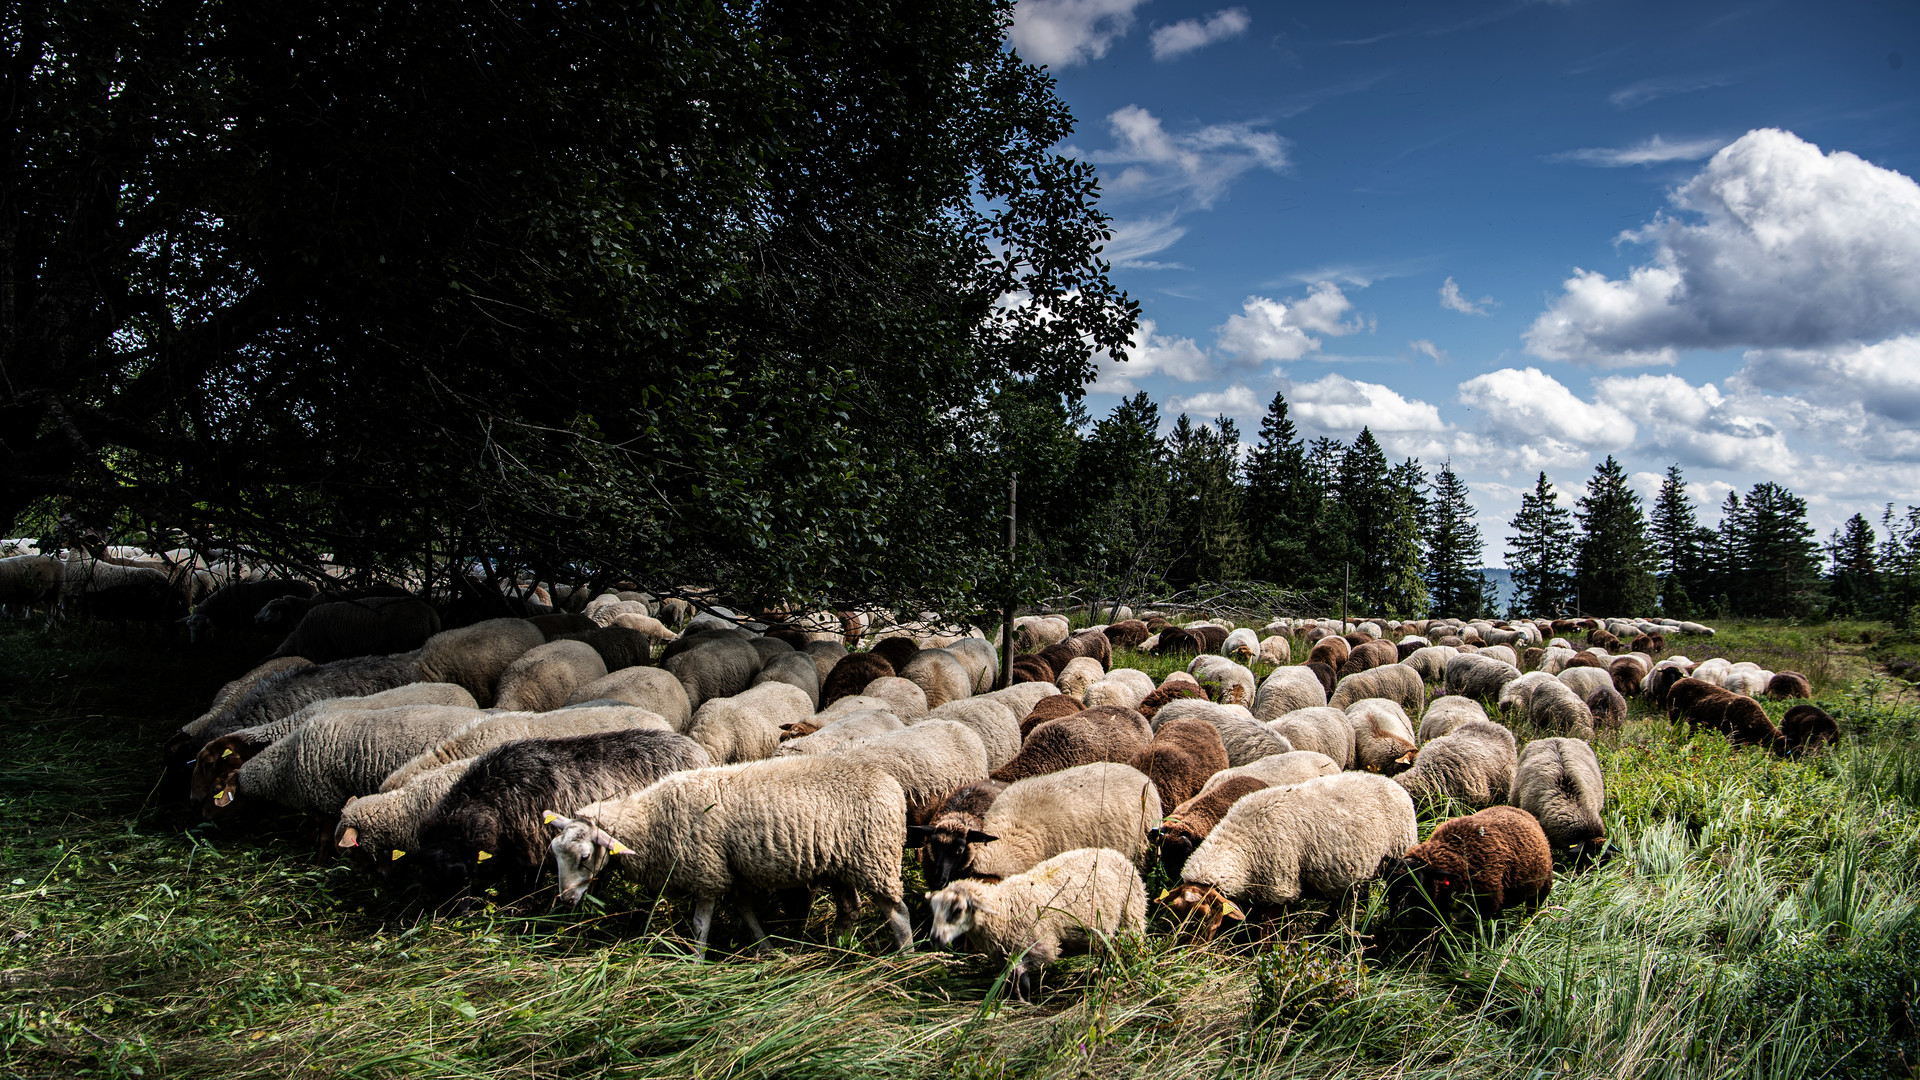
1521, 236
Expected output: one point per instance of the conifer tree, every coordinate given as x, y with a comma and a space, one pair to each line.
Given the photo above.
1403, 589
1538, 554
1780, 563
1282, 502
1206, 497
1366, 511
1674, 532
1455, 587
1613, 572
1853, 578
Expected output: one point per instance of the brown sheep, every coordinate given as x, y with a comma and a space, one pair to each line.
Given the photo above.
1331, 651
1048, 708
1496, 859
1165, 694
1093, 643
1102, 733
1176, 639
1628, 676
852, 674
1128, 633
1358, 638
897, 650
1530, 659
956, 823
1747, 724
1182, 830
1210, 637
1369, 655
1181, 758
1585, 659
1789, 684
1806, 728
1156, 623
1325, 673
1029, 667
1651, 644
1683, 695
1059, 654
1603, 639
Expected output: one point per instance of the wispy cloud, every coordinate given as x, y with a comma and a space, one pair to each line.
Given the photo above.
1654, 151
1290, 107
1452, 300
1133, 241
1427, 348
1196, 166
1183, 37
1634, 95
1062, 33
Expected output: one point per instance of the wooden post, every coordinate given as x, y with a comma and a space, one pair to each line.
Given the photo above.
1346, 583
1012, 601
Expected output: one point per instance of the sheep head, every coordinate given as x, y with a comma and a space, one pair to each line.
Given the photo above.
955, 909
1204, 904
1177, 841
580, 852
946, 847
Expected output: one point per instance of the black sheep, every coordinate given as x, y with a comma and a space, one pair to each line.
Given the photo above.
232, 607
851, 674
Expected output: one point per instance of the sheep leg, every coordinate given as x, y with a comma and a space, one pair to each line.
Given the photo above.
846, 908
702, 922
752, 919
902, 926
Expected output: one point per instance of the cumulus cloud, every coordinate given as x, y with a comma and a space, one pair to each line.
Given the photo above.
1337, 404
1654, 151
1546, 424
1699, 425
1784, 248
1283, 329
1237, 401
1195, 166
1151, 353
1451, 299
1634, 95
1062, 33
1189, 34
1883, 377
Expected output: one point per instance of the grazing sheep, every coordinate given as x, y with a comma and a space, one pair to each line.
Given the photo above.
1806, 728
547, 675
1094, 644
1127, 633
1713, 670
1030, 668
1241, 645
1092, 735
1021, 697
1077, 675
1368, 656
475, 656
851, 675
715, 667
494, 729
1176, 639
1473, 764
563, 623
826, 656
1276, 650
1475, 676
1182, 830
1628, 674
1324, 838
940, 676
1183, 755
1585, 680
749, 830
1324, 673
929, 759
1559, 782
1126, 687
229, 697
981, 661
1497, 858
957, 823
1061, 905
373, 827
1446, 713
1608, 708
649, 688
284, 693
1246, 739
1035, 632
1154, 702
1331, 651
746, 726
232, 606
1382, 736
1276, 770
1397, 683
905, 698
375, 626
488, 826
1788, 685
1100, 804
1501, 653
796, 670
1431, 661
1557, 707
1048, 708
1286, 690
991, 720
334, 755
1322, 729
1235, 682
29, 581
896, 650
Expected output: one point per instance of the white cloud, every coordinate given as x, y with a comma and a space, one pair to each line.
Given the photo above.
1337, 404
1451, 299
1428, 348
1634, 95
1151, 353
1133, 241
1699, 425
1792, 249
1529, 411
1195, 166
1282, 330
1654, 151
1883, 378
1062, 33
1237, 401
1189, 34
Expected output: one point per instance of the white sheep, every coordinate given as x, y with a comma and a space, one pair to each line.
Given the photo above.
1448, 712
1104, 804
1286, 690
1320, 728
1061, 905
1241, 645
929, 759
1245, 739
993, 721
746, 726
1235, 681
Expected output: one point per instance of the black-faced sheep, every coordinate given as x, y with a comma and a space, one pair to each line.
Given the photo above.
1061, 905
957, 823
1496, 859
1182, 830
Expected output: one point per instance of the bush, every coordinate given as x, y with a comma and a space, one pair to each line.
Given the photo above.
1860, 1002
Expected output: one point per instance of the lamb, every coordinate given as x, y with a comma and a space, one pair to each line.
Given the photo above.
475, 656
649, 688
1806, 728
1241, 645
991, 720
1559, 782
796, 670
1236, 683
1324, 838
1431, 661
749, 829
1497, 858
1105, 734
905, 698
1449, 712
980, 660
546, 676
1077, 675
487, 828
1331, 651
929, 759
1183, 755
1101, 804
1608, 709
336, 755
495, 729
1322, 729
746, 726
1382, 736
1245, 738
1475, 676
1397, 683
1472, 764
377, 625
373, 828
232, 607
1789, 684
1061, 905
1368, 656
1286, 690
1126, 687
852, 674
957, 823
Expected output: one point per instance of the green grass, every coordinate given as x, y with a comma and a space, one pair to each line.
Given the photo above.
1762, 922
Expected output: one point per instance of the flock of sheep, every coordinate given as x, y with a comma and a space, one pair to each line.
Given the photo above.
715, 757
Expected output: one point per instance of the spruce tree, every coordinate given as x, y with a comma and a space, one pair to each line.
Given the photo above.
1674, 532
1780, 558
1282, 502
1725, 556
1455, 586
1366, 503
1123, 482
1537, 553
1899, 559
1403, 589
1206, 498
1613, 562
1853, 580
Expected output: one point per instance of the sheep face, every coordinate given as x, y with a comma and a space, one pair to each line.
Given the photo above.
1176, 845
1204, 905
580, 852
945, 849
954, 909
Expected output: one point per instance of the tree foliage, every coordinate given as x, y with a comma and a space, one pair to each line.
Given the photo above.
1538, 553
1613, 562
1455, 586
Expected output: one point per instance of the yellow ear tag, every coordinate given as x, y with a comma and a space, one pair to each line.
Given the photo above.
223, 798
483, 856
228, 752
1164, 893
396, 855
549, 818
618, 848
1231, 911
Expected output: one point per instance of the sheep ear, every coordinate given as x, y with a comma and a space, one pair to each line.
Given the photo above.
604, 839
349, 837
1232, 911
552, 818
917, 834
975, 836
351, 799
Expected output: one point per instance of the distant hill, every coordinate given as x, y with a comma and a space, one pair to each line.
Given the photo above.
1502, 579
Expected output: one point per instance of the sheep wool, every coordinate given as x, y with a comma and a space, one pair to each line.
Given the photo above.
992, 721
1021, 697
1245, 739
1275, 649
744, 829
1077, 675
1473, 764
1278, 770
545, 676
796, 670
1242, 645
1431, 661
494, 729
929, 759
850, 675
713, 667
1475, 676
1183, 755
231, 694
839, 731
375, 826
1395, 682
1060, 906
1092, 735
981, 661
1286, 690
1103, 804
1382, 735
1447, 712
1322, 729
339, 754
1559, 782
1125, 687
1585, 680
903, 696
476, 656
939, 675
649, 688
746, 726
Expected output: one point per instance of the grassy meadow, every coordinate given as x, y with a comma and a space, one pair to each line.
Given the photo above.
1762, 920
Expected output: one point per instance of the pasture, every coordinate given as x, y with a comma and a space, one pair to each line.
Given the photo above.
1762, 920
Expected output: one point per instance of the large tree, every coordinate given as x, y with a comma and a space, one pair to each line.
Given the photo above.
1283, 500
1123, 493
1205, 497
691, 292
1674, 533
1853, 575
1613, 563
1455, 586
1779, 562
1539, 554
